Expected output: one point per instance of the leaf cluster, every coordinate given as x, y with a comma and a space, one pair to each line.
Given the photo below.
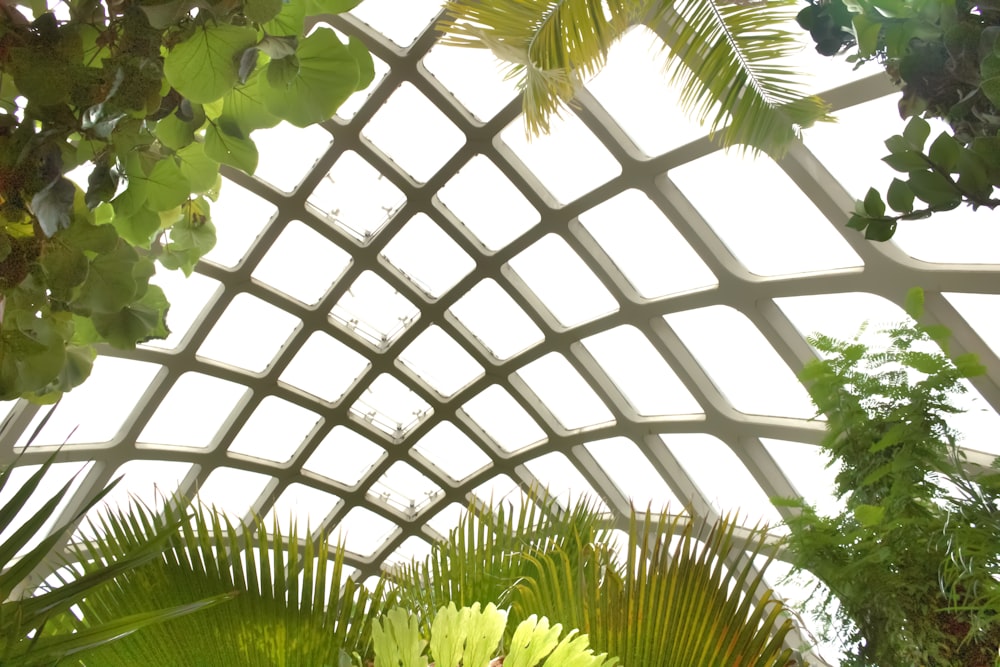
150, 98
679, 591
911, 560
945, 56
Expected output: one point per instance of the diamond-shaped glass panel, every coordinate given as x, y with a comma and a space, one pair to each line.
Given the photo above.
414, 133
274, 431
809, 243
413, 549
299, 246
495, 320
355, 102
562, 480
390, 406
405, 488
447, 518
345, 456
356, 198
363, 531
374, 311
188, 297
710, 334
633, 89
569, 142
566, 287
193, 411
149, 482
428, 258
239, 217
721, 476
249, 334
472, 76
307, 144
564, 393
488, 204
325, 367
642, 242
233, 491
980, 311
805, 466
503, 420
641, 373
400, 22
112, 391
449, 449
303, 505
440, 362
633, 474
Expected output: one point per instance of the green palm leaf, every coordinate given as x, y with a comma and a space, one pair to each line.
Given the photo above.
679, 600
288, 604
723, 57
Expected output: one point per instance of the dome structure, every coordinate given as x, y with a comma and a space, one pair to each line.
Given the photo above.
413, 306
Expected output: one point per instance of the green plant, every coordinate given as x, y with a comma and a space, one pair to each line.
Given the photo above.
946, 57
292, 603
680, 592
28, 616
472, 636
722, 57
150, 98
912, 560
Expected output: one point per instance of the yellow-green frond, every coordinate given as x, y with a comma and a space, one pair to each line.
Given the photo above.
726, 59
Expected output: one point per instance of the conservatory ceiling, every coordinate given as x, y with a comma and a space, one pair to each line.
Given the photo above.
412, 306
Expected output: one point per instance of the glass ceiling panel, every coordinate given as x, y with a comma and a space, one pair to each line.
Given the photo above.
440, 362
447, 448
302, 245
980, 311
564, 393
471, 76
302, 505
428, 257
307, 144
632, 473
495, 320
344, 456
193, 411
274, 431
504, 422
232, 342
562, 480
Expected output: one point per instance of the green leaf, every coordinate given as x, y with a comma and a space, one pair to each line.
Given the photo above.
225, 142
194, 231
869, 515
245, 106
110, 284
53, 205
899, 196
874, 206
907, 161
991, 88
162, 15
203, 67
935, 189
176, 133
261, 11
880, 230
65, 266
916, 132
945, 151
973, 176
166, 186
366, 66
914, 303
201, 171
327, 76
291, 20
137, 227
138, 322
867, 31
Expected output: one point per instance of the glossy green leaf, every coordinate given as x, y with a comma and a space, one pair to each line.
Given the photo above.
934, 188
246, 108
137, 227
366, 66
176, 133
203, 67
916, 132
226, 142
867, 33
95, 238
880, 230
327, 76
291, 20
906, 161
973, 176
944, 152
65, 266
261, 11
110, 284
138, 322
200, 170
874, 206
899, 196
166, 186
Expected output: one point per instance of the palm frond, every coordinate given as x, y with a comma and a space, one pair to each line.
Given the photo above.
726, 63
289, 604
683, 598
551, 45
723, 58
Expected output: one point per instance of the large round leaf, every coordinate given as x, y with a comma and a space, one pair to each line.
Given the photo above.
327, 76
204, 66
